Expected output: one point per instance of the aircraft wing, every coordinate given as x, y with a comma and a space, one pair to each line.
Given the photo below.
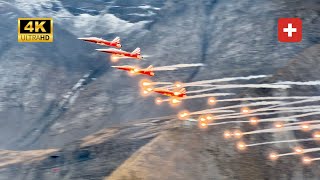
123, 67
90, 39
110, 50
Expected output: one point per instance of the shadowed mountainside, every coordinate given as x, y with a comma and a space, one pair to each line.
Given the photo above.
165, 147
232, 38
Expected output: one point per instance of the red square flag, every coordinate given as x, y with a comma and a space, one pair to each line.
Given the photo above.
289, 29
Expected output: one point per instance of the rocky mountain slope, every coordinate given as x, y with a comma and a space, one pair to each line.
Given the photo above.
166, 148
92, 157
36, 96
35, 77
189, 153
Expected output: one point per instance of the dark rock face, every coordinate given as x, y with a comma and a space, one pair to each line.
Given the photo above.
92, 157
232, 38
34, 77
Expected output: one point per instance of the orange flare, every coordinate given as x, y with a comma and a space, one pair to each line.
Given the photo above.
237, 134
145, 83
203, 125
202, 118
145, 92
227, 134
202, 122
241, 146
114, 58
253, 121
306, 160
316, 135
149, 89
245, 110
305, 127
298, 150
212, 101
278, 124
158, 101
183, 115
175, 101
273, 156
209, 117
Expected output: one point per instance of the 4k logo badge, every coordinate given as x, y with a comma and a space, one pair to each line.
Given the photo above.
35, 29
289, 30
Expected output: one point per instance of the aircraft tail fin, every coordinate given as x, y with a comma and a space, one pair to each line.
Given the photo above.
116, 40
136, 51
150, 67
183, 90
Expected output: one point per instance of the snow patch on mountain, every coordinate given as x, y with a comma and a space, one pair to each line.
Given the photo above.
148, 7
85, 22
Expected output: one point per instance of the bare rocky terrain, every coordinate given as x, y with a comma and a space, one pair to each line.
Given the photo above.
100, 128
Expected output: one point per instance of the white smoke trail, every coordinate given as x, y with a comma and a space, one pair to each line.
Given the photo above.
146, 56
260, 120
315, 159
215, 112
222, 117
266, 98
262, 103
289, 118
288, 128
199, 85
223, 111
176, 66
286, 154
311, 99
192, 120
208, 95
207, 82
302, 152
260, 98
277, 142
305, 83
226, 80
302, 122
315, 107
228, 122
203, 96
278, 111
161, 83
235, 86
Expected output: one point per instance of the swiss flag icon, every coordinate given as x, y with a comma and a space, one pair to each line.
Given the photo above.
289, 29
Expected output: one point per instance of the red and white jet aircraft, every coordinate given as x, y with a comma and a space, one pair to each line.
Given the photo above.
147, 71
178, 94
118, 53
114, 43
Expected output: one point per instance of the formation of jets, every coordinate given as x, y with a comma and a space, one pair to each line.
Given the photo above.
116, 53
177, 92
